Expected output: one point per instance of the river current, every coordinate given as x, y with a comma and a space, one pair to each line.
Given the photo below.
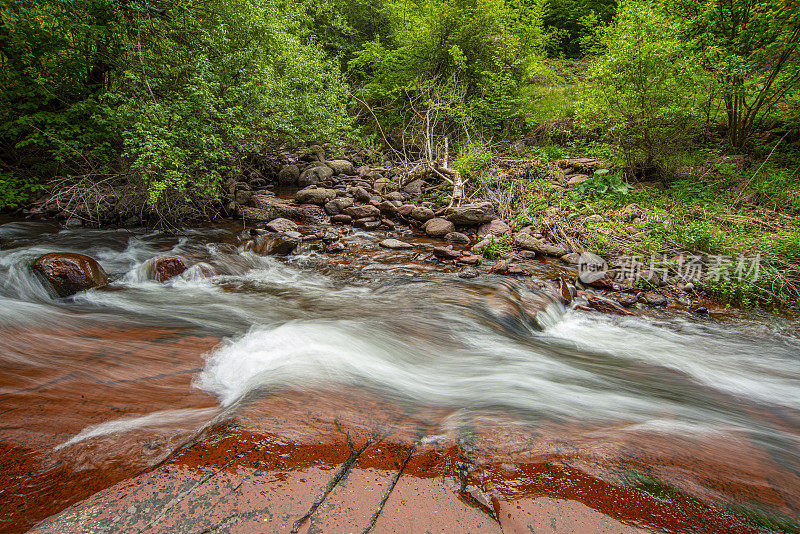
117, 378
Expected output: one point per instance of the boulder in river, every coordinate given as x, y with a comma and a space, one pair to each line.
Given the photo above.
341, 219
438, 227
421, 213
69, 273
361, 212
288, 175
446, 253
267, 207
414, 187
272, 245
340, 166
653, 299
361, 194
469, 272
166, 267
457, 238
315, 174
281, 225
335, 206
496, 227
595, 279
335, 248
387, 208
395, 244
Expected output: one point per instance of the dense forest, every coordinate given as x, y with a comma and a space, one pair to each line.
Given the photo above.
154, 106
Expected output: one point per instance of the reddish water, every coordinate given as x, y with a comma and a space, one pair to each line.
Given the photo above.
375, 391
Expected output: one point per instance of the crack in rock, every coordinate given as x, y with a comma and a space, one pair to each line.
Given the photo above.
341, 474
395, 479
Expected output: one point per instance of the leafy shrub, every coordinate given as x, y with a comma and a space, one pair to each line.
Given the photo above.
642, 83
472, 161
450, 65
602, 184
105, 87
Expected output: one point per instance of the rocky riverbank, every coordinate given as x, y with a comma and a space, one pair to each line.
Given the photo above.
338, 198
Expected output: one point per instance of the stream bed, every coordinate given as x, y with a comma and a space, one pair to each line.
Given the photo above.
489, 402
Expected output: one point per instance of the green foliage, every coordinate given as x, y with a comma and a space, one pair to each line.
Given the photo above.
472, 161
603, 184
15, 190
699, 236
750, 50
762, 288
641, 88
573, 23
169, 94
649, 485
763, 517
496, 247
450, 65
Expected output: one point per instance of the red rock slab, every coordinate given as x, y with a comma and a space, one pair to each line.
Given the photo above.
545, 515
349, 461
80, 377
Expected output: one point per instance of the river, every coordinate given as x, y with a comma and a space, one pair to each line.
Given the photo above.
701, 414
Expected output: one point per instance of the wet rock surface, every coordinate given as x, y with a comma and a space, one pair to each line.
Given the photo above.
359, 468
69, 273
165, 268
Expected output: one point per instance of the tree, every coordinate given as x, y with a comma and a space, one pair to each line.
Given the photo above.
642, 85
751, 48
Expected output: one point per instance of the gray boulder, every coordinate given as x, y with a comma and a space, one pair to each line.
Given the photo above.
314, 174
471, 214
340, 166
422, 214
438, 227
529, 242
289, 175
318, 196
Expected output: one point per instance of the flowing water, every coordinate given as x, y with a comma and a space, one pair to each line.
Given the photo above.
111, 381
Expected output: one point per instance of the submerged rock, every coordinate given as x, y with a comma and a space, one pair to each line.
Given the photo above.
395, 244
272, 245
335, 248
469, 272
69, 273
446, 253
166, 267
